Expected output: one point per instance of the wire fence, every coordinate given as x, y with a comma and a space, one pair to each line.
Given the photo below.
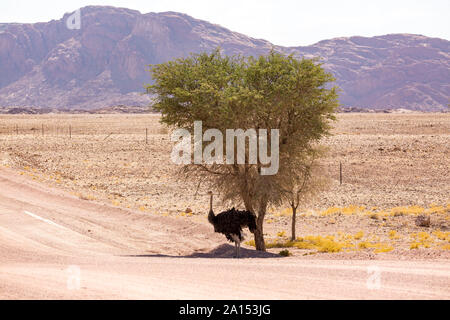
69, 130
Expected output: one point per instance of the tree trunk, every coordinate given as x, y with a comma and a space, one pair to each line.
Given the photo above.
294, 214
259, 232
259, 236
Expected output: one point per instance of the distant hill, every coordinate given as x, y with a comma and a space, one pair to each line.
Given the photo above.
104, 63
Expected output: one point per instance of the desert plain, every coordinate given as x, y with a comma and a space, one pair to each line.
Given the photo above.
394, 167
105, 181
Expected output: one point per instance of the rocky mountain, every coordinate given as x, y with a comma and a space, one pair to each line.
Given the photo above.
392, 71
104, 62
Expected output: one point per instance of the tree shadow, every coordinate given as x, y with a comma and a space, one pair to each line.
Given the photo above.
224, 251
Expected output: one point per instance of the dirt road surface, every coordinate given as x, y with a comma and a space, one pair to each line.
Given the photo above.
56, 246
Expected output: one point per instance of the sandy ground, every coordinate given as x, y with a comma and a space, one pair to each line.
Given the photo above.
395, 166
388, 160
54, 245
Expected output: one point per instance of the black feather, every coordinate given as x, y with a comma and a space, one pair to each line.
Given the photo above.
232, 221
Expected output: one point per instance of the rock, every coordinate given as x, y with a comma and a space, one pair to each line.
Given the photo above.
423, 221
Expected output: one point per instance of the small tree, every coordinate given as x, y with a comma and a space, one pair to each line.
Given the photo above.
304, 181
233, 92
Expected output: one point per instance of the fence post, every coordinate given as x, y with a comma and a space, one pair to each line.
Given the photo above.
146, 136
70, 131
340, 173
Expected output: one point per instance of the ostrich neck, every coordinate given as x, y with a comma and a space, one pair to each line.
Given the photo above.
211, 212
211, 216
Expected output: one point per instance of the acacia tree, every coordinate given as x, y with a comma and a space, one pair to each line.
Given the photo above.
234, 92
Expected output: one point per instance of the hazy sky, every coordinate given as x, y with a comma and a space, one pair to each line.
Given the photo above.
283, 22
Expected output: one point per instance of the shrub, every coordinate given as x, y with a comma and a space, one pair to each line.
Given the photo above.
284, 253
358, 235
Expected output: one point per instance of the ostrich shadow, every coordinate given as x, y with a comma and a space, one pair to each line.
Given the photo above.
224, 251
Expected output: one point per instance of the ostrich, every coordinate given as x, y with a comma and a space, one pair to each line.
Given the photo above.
231, 222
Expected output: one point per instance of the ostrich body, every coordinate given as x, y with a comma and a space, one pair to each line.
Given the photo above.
231, 222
